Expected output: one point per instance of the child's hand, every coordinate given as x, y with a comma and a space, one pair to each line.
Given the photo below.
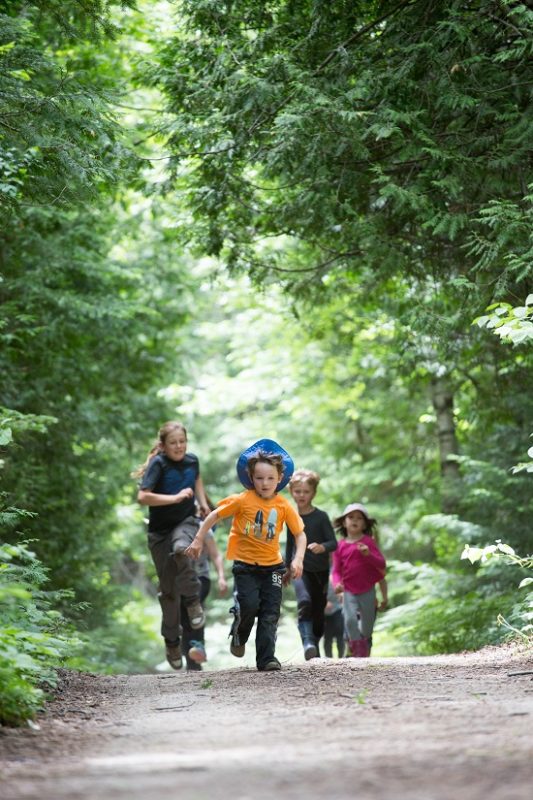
297, 567
363, 549
339, 588
194, 549
383, 605
286, 578
185, 494
222, 585
315, 547
204, 511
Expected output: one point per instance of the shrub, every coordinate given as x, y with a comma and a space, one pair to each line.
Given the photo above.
34, 638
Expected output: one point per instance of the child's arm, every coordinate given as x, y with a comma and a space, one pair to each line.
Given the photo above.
373, 553
329, 541
216, 557
384, 589
297, 564
197, 544
148, 498
336, 576
199, 491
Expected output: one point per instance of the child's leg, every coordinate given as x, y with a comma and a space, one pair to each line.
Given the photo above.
319, 597
359, 634
187, 579
268, 616
351, 616
329, 623
303, 588
159, 545
367, 608
339, 633
247, 589
190, 635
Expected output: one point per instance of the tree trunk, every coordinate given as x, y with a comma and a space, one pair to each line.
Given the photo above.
442, 399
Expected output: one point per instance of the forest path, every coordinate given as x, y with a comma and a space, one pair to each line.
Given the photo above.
445, 727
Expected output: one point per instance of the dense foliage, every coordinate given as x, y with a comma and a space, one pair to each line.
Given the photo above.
81, 333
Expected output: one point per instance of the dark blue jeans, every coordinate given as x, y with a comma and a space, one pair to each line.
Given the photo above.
258, 594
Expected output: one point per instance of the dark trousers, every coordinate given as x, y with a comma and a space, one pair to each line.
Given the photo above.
312, 594
334, 632
189, 634
258, 594
176, 573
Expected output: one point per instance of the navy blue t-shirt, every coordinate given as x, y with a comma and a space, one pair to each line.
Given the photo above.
165, 476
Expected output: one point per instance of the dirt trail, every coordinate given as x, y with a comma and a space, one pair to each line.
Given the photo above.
443, 728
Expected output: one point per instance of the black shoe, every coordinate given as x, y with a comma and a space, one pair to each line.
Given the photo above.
270, 666
237, 650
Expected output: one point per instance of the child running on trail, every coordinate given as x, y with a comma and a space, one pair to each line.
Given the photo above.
311, 589
170, 482
193, 641
259, 515
358, 565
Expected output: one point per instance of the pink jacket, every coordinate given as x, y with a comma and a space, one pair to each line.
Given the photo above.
357, 573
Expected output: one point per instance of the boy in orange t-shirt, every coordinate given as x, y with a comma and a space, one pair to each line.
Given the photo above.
259, 515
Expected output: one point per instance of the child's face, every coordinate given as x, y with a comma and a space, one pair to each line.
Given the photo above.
265, 480
303, 493
354, 524
175, 445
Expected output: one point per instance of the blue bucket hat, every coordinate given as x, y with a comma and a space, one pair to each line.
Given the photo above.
269, 447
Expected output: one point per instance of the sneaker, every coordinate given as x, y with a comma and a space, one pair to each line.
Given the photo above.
197, 652
174, 655
193, 667
196, 615
270, 666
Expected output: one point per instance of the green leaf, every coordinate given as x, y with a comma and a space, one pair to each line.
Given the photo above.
6, 436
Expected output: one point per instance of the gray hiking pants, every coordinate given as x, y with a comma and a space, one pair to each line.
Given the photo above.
359, 614
176, 573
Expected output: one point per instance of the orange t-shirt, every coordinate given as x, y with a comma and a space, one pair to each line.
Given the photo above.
256, 526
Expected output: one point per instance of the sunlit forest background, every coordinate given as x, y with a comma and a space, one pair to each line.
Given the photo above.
307, 221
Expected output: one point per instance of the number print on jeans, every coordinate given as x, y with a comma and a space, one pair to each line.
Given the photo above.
276, 579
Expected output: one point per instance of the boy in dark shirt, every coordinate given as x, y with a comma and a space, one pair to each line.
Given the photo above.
312, 588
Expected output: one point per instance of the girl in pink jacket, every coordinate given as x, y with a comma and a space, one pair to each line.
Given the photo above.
358, 565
